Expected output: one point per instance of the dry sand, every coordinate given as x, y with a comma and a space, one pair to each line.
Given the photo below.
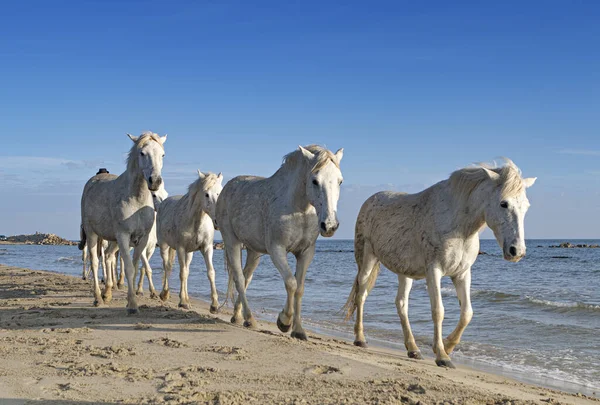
55, 348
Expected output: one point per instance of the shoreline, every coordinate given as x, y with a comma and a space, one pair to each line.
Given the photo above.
41, 312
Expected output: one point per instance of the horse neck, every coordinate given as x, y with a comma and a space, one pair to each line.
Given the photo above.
293, 184
193, 202
138, 187
468, 215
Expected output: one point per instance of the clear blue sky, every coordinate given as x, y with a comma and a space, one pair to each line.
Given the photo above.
411, 90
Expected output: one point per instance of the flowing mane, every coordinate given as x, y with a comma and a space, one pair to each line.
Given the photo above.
464, 181
143, 139
201, 184
322, 156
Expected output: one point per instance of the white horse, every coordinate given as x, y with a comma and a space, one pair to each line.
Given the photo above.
277, 215
121, 209
435, 233
185, 224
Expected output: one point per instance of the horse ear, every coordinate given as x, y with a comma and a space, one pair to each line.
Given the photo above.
528, 182
163, 139
133, 138
339, 154
220, 176
200, 174
491, 174
307, 154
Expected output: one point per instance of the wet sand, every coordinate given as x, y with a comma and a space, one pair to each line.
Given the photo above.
56, 348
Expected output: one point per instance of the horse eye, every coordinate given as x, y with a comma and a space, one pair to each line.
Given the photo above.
206, 195
504, 204
341, 181
142, 153
163, 155
315, 182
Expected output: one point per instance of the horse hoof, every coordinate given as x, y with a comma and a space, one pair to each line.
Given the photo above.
97, 303
416, 354
250, 324
185, 306
236, 321
299, 335
84, 278
153, 295
164, 295
360, 343
120, 286
132, 311
282, 327
139, 293
444, 363
107, 299
214, 309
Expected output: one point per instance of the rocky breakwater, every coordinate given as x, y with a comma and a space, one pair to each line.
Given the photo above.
40, 239
569, 245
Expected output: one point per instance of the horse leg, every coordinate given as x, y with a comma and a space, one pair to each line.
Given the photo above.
111, 262
185, 259
404, 286
108, 275
434, 277
303, 260
234, 259
279, 258
142, 271
92, 242
148, 271
252, 260
165, 254
84, 260
463, 291
207, 252
124, 240
119, 260
365, 268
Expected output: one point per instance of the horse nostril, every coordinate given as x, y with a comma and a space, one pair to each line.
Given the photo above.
323, 226
512, 251
150, 181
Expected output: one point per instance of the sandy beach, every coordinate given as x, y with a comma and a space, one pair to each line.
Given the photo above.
58, 349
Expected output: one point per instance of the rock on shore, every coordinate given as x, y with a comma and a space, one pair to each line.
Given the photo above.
40, 239
569, 245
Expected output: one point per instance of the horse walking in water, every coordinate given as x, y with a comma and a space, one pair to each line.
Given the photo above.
157, 197
435, 233
185, 224
121, 209
277, 215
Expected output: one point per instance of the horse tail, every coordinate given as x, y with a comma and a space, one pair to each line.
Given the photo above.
359, 244
230, 283
83, 237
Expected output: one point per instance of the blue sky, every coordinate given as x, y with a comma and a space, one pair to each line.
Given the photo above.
412, 91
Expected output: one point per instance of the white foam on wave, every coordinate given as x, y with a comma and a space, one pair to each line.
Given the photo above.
560, 304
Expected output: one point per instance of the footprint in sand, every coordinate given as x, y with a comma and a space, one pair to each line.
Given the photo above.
322, 369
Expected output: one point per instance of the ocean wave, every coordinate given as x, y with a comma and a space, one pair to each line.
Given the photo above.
69, 259
560, 304
335, 250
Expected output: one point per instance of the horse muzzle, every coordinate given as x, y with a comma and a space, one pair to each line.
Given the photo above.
328, 231
514, 253
154, 182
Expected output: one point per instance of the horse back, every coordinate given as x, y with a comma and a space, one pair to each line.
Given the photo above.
391, 222
241, 210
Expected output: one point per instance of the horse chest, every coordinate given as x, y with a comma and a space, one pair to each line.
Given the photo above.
301, 230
